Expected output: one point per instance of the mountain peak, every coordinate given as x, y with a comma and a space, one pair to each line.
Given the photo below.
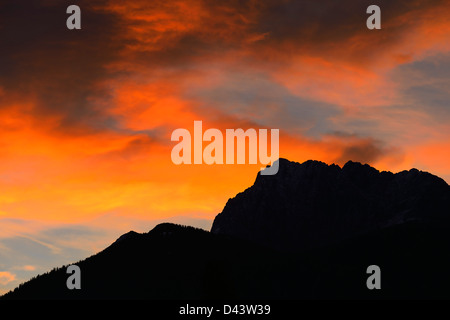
358, 166
126, 236
312, 204
166, 227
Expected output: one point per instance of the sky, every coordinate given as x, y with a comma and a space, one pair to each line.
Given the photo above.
86, 115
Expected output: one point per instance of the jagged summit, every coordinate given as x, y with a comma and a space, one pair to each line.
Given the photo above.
313, 204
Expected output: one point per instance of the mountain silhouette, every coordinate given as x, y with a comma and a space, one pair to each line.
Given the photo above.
313, 204
309, 232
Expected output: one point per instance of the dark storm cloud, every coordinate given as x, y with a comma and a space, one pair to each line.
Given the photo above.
64, 71
360, 149
59, 69
365, 151
329, 20
324, 27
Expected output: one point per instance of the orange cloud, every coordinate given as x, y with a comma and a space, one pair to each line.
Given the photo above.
6, 277
29, 268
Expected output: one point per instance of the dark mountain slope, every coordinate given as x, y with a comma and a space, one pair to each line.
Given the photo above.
169, 262
312, 204
174, 262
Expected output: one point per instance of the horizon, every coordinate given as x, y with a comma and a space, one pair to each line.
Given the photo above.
87, 114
